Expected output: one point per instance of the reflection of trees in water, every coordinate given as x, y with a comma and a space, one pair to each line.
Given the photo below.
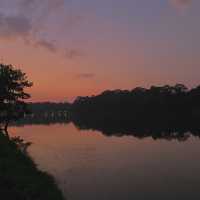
139, 130
117, 127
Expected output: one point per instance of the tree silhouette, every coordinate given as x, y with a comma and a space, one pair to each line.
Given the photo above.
12, 95
158, 105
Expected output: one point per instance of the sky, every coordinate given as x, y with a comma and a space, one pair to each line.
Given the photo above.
71, 48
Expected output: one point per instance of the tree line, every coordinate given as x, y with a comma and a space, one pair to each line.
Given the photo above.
40, 109
158, 105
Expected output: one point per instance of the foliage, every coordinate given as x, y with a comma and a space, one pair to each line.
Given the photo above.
41, 108
19, 177
158, 105
13, 83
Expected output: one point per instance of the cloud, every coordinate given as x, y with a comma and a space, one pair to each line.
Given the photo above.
46, 45
14, 26
85, 75
72, 20
20, 27
72, 53
31, 21
181, 4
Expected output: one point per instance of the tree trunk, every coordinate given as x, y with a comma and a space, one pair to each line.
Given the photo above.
6, 129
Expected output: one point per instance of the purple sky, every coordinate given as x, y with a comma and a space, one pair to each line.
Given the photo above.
75, 47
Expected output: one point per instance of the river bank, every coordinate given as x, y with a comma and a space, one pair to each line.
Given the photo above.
19, 177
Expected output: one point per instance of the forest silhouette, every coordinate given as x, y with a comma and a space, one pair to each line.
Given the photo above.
160, 112
163, 105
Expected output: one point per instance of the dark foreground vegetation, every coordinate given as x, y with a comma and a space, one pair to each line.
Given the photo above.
166, 106
19, 177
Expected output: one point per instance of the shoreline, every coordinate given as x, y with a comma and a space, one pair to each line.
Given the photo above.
19, 177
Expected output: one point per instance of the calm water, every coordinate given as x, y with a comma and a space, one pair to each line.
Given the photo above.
91, 166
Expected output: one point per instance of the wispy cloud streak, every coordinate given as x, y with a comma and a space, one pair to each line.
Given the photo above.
14, 26
30, 22
85, 75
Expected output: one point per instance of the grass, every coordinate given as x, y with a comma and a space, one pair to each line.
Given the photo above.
19, 177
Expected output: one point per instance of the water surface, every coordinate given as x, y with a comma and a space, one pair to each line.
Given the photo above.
89, 165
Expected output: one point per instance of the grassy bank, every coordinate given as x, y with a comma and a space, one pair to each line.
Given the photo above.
19, 177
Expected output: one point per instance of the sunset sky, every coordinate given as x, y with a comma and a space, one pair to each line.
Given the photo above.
75, 48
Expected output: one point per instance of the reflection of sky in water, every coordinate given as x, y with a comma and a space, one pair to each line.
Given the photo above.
89, 165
